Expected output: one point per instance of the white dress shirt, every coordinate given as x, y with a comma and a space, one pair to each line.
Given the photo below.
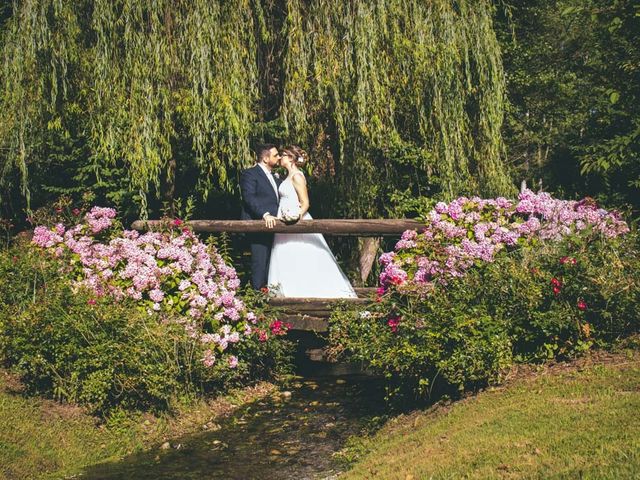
270, 177
272, 181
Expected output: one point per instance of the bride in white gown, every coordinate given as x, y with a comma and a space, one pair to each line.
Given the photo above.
302, 265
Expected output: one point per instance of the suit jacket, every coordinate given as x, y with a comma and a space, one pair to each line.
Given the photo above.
258, 196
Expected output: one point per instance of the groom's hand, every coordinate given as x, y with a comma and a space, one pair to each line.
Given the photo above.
270, 221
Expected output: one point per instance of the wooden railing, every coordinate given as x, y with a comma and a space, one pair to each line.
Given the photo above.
349, 227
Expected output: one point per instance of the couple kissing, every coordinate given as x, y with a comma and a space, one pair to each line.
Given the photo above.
290, 264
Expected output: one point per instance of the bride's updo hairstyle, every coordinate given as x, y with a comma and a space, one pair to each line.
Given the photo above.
300, 157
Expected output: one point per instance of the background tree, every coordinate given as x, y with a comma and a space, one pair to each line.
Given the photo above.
573, 81
142, 101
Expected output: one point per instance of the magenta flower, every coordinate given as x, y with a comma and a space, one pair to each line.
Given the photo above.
466, 231
393, 323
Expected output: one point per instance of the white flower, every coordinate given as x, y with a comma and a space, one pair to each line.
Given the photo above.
365, 314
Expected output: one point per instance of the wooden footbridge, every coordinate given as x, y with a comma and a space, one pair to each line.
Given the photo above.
311, 314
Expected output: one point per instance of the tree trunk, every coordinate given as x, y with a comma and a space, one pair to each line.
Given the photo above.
368, 250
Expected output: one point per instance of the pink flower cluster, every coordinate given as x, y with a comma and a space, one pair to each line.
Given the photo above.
100, 218
466, 231
164, 271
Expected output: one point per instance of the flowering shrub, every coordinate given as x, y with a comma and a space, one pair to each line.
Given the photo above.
469, 231
169, 272
105, 318
490, 281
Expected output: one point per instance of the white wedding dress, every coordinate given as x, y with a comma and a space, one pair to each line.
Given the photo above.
301, 264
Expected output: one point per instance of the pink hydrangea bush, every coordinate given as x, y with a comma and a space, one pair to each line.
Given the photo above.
171, 273
470, 231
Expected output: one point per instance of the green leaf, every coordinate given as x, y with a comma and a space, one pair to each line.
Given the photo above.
614, 97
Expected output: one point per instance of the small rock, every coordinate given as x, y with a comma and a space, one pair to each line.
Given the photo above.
340, 381
275, 452
286, 395
216, 442
165, 446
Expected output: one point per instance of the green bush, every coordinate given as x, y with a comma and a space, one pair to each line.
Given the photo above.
102, 353
467, 332
595, 302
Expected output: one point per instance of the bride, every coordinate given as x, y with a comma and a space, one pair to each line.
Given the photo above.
302, 265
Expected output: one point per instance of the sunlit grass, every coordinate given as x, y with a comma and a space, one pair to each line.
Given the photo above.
576, 423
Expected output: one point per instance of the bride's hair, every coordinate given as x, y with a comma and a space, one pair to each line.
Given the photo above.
300, 157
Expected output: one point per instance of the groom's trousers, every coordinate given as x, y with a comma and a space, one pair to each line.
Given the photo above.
260, 254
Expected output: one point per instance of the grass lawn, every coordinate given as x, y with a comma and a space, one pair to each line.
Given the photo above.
44, 439
567, 421
577, 420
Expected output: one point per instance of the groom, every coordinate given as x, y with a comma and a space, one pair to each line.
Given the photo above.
259, 188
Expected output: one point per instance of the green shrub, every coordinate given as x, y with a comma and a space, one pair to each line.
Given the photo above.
101, 353
467, 332
596, 298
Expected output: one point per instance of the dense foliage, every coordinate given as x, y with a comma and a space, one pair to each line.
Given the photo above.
488, 281
130, 99
103, 317
573, 83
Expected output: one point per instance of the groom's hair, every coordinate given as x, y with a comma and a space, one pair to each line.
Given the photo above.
263, 150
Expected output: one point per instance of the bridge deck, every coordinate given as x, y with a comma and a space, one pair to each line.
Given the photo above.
312, 314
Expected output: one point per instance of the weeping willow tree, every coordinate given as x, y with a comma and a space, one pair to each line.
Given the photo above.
142, 80
391, 71
143, 74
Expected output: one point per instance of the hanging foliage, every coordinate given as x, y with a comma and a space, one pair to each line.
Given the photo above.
359, 83
150, 72
389, 72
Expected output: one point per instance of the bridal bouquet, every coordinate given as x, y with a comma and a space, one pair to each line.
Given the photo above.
290, 213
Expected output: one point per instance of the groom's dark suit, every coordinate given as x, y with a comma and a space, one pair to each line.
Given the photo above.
258, 198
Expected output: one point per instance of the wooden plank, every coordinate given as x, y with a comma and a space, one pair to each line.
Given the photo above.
313, 313
349, 227
313, 304
306, 322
